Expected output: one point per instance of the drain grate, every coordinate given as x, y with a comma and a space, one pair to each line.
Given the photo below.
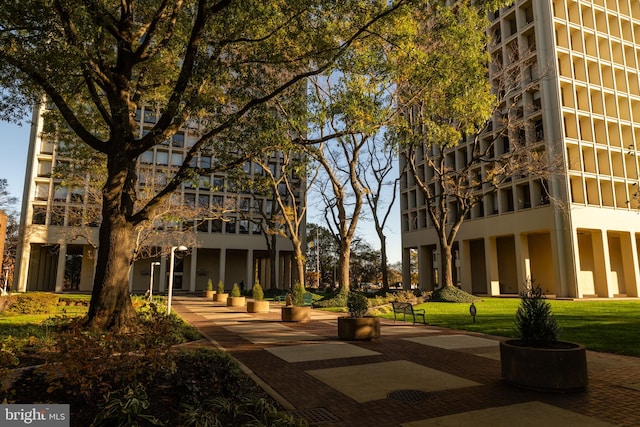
410, 396
314, 416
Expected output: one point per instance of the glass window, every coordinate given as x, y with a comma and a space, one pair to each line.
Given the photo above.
205, 162
176, 159
178, 140
203, 201
231, 226
162, 158
149, 116
39, 215
42, 191
216, 226
244, 226
257, 228
147, 157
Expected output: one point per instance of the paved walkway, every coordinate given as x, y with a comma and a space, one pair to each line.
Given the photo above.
412, 376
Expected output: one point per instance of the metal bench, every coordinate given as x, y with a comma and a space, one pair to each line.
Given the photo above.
405, 308
307, 298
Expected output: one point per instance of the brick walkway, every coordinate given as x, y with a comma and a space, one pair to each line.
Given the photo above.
366, 383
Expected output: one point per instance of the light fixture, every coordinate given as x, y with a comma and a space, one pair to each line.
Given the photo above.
153, 264
180, 248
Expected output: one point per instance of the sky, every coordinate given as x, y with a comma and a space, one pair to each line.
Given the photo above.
14, 140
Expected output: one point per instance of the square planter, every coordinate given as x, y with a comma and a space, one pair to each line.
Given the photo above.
257, 306
209, 294
561, 369
236, 301
218, 297
293, 313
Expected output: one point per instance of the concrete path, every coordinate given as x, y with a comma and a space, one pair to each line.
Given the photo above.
413, 376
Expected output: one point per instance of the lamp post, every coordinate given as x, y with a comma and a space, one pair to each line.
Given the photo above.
6, 274
180, 248
153, 264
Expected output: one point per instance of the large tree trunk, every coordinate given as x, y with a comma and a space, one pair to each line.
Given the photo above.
446, 263
111, 306
383, 260
299, 262
343, 264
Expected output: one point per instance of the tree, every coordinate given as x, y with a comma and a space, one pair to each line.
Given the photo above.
458, 107
376, 175
7, 201
213, 67
322, 251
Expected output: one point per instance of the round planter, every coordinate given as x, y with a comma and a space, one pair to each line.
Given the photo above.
293, 313
358, 328
562, 369
218, 297
209, 294
236, 301
257, 306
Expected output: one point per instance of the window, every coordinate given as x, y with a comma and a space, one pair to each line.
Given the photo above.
39, 215
244, 226
162, 158
231, 226
42, 191
257, 228
205, 162
216, 226
178, 140
176, 159
149, 116
147, 157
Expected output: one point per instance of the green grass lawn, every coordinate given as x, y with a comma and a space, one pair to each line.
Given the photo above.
609, 326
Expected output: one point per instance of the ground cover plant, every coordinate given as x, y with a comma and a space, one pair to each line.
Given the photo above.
608, 326
140, 378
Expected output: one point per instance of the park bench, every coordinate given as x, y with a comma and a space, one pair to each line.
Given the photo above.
405, 308
307, 298
280, 297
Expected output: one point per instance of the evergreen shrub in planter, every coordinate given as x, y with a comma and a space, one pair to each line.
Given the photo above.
258, 305
538, 360
236, 299
358, 326
295, 310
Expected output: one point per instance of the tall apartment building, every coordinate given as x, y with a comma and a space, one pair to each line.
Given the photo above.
578, 63
53, 257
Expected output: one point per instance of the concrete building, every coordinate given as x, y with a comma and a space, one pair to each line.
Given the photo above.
55, 254
578, 63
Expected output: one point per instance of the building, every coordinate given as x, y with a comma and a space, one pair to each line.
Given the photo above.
578, 62
56, 253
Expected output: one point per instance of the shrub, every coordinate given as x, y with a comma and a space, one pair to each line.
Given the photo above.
235, 291
209, 285
452, 294
335, 300
536, 323
257, 292
357, 303
220, 287
125, 408
34, 303
297, 297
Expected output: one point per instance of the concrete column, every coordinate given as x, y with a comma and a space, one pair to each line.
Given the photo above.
62, 258
192, 269
465, 266
628, 263
634, 276
406, 268
21, 270
425, 281
491, 257
602, 263
523, 260
223, 264
248, 283
279, 284
162, 280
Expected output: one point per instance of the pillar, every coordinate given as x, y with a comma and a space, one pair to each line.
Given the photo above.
406, 268
223, 264
162, 280
192, 269
491, 257
62, 261
248, 283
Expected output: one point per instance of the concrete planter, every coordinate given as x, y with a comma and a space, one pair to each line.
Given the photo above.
218, 297
293, 313
562, 369
257, 306
358, 328
209, 294
236, 301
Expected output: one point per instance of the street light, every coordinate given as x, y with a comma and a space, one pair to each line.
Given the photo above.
180, 248
6, 274
153, 264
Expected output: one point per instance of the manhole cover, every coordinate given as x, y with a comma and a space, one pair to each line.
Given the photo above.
410, 396
314, 416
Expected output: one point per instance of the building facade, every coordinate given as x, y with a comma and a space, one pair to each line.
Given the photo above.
57, 253
577, 63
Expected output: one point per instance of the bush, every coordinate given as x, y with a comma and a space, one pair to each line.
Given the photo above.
235, 291
334, 300
297, 295
34, 303
452, 294
358, 304
257, 292
536, 323
220, 287
209, 285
